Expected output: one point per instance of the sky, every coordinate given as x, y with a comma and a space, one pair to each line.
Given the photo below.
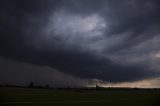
80, 42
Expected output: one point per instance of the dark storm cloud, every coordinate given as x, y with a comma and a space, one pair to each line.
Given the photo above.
141, 18
23, 36
39, 75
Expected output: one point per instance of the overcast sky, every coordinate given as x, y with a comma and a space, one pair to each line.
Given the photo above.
80, 42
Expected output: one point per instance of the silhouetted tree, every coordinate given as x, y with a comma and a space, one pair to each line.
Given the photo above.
31, 85
47, 86
97, 86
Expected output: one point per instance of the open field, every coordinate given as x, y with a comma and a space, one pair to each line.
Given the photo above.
49, 97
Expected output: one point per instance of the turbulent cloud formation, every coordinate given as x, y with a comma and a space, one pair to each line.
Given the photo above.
112, 41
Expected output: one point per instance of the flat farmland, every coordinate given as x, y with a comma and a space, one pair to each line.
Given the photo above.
52, 97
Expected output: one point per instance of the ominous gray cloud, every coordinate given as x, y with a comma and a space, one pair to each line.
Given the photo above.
108, 40
24, 73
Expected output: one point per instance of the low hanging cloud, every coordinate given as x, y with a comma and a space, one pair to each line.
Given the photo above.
19, 73
90, 39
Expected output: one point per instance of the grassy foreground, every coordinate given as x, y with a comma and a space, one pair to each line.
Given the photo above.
49, 97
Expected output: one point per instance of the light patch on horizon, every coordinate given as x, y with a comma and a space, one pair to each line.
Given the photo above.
146, 83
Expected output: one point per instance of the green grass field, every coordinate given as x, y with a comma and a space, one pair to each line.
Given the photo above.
46, 97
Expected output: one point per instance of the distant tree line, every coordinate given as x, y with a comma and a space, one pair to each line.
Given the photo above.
32, 85
96, 88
